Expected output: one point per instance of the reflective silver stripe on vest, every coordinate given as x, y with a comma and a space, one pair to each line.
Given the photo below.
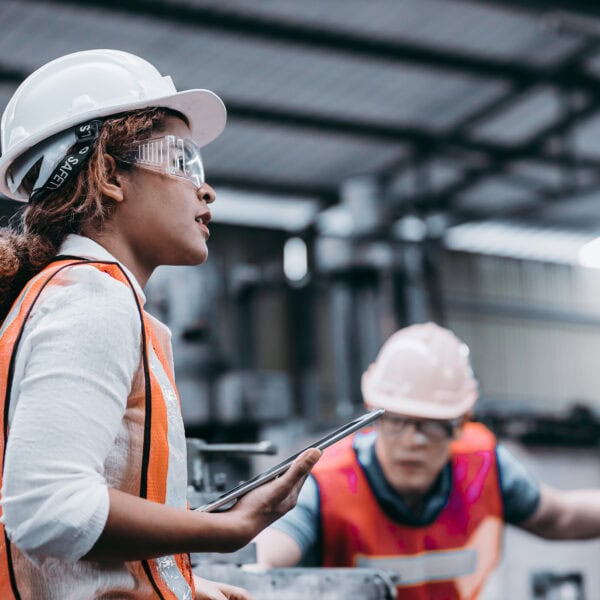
433, 566
171, 575
176, 475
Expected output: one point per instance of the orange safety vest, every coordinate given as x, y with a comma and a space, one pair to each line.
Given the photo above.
448, 559
147, 402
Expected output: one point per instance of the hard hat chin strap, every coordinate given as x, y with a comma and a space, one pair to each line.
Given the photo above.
68, 166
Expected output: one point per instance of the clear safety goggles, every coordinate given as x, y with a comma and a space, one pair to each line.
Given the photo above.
177, 157
432, 429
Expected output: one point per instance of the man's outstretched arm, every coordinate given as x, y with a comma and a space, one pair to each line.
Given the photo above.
565, 515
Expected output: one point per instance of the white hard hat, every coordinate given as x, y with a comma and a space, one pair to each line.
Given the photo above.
86, 85
422, 371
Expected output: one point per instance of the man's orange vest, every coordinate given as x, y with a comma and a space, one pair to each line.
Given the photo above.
148, 402
448, 559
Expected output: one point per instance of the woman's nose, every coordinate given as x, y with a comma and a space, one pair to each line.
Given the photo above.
206, 193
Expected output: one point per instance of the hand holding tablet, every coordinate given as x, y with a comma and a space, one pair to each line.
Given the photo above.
333, 437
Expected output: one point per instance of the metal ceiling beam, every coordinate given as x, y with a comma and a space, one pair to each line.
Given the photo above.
535, 144
11, 75
533, 149
287, 32
424, 139
506, 102
530, 209
548, 7
388, 132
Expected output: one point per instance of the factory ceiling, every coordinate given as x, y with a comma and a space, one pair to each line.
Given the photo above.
471, 110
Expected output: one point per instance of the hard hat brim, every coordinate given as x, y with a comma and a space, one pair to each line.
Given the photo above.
417, 409
413, 407
203, 109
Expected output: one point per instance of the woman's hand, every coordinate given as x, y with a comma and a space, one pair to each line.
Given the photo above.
213, 590
137, 529
271, 501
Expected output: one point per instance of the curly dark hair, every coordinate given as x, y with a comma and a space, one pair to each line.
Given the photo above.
35, 234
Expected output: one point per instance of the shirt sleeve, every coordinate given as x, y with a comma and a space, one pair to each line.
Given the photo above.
302, 522
520, 491
79, 353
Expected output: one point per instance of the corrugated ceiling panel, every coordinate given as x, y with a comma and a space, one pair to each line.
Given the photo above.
526, 116
593, 65
250, 70
278, 154
547, 176
471, 27
586, 137
494, 194
438, 175
581, 211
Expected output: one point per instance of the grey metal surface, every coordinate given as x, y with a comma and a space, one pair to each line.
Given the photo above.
305, 583
243, 556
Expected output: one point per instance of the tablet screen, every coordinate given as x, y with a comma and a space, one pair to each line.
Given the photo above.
324, 442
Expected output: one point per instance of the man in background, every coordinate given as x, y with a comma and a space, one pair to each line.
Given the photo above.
424, 494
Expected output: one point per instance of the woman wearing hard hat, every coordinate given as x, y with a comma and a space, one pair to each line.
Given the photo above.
107, 154
425, 494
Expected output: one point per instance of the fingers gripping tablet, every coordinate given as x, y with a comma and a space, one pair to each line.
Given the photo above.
333, 437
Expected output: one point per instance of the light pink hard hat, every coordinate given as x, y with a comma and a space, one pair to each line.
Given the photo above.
422, 371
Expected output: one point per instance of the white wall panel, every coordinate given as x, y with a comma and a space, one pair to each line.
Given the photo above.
533, 328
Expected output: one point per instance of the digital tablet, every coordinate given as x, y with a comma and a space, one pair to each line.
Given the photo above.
333, 437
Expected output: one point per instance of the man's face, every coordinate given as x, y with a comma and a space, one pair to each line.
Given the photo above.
412, 452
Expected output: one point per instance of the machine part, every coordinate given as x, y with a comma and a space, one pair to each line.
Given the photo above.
203, 486
302, 583
546, 585
579, 426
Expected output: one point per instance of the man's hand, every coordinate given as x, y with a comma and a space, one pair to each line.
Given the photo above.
212, 590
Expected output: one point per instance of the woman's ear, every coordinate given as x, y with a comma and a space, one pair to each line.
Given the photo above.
111, 187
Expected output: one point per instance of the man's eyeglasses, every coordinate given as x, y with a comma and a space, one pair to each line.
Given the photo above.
177, 157
432, 429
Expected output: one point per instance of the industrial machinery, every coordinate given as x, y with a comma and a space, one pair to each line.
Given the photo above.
554, 586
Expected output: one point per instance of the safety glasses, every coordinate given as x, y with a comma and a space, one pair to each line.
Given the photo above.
173, 156
434, 430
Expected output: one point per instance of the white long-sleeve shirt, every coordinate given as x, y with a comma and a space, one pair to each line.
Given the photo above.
68, 437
